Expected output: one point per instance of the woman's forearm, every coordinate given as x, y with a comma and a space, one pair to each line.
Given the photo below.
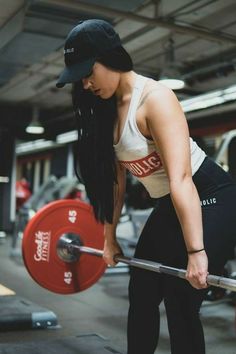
110, 229
119, 193
187, 205
111, 246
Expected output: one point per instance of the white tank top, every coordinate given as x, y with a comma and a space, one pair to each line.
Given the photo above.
140, 155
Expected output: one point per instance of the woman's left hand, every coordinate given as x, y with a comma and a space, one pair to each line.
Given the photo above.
197, 270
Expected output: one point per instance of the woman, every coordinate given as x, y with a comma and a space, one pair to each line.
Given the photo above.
127, 121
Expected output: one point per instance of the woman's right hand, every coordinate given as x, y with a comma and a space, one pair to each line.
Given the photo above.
111, 248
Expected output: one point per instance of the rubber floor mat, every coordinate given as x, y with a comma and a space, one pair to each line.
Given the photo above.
83, 344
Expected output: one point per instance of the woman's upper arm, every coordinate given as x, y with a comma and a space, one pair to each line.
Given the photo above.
169, 130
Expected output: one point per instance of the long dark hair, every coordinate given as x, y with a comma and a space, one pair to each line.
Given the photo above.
95, 120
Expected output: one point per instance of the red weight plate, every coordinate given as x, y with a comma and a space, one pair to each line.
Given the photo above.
39, 247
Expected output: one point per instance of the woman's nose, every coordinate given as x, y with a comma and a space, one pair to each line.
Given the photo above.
86, 83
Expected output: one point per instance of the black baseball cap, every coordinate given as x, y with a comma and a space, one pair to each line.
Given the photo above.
87, 42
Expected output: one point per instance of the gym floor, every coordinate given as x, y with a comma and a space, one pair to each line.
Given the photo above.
99, 313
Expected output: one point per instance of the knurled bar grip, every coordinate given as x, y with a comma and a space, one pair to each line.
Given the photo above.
214, 280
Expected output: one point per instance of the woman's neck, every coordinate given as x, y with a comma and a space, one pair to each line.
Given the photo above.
125, 86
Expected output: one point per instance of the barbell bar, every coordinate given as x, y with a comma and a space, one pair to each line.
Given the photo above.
62, 244
214, 280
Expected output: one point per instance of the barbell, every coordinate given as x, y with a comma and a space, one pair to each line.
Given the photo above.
61, 249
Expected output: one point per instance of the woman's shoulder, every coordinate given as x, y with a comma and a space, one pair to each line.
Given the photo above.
155, 91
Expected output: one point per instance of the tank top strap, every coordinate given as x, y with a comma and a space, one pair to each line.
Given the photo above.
130, 122
137, 93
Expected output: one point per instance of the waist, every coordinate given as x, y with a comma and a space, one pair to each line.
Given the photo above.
210, 177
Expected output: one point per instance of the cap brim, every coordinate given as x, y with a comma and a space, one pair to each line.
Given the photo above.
75, 72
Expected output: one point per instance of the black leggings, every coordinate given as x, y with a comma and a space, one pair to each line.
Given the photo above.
162, 241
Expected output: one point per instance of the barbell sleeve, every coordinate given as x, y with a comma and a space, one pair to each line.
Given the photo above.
214, 280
